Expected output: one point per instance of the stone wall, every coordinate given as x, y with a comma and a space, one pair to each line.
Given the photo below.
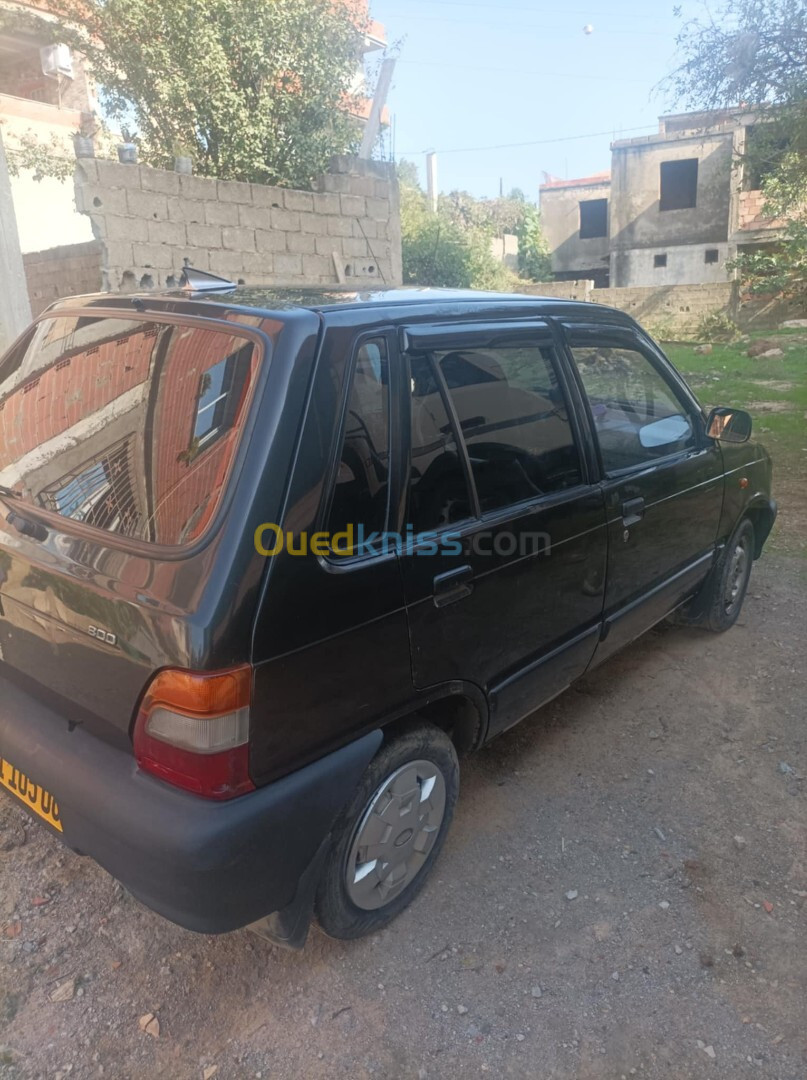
670, 311
62, 271
563, 290
667, 311
148, 221
676, 311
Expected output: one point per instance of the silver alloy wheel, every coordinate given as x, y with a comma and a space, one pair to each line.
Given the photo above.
396, 834
736, 576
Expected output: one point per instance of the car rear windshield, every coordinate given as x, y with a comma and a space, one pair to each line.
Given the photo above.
127, 425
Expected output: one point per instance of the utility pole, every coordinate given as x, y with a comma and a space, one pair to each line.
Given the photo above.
373, 125
431, 180
15, 308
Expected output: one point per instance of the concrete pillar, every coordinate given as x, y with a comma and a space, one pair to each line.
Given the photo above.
15, 309
431, 180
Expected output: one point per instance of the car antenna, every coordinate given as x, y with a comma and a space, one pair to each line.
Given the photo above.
193, 280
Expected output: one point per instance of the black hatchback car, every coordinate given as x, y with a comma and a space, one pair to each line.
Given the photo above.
270, 562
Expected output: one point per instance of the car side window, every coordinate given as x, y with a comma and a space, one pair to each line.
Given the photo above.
438, 484
637, 415
362, 480
513, 417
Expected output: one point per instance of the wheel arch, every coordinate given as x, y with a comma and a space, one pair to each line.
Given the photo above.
761, 512
458, 708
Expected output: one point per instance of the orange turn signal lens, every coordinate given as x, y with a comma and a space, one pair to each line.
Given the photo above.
201, 694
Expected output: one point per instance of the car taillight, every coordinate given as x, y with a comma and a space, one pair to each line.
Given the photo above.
192, 730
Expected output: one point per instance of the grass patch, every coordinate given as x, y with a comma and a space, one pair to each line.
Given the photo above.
774, 391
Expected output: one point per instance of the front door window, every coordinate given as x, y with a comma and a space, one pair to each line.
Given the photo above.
637, 415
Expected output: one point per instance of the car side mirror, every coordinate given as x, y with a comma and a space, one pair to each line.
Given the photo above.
729, 425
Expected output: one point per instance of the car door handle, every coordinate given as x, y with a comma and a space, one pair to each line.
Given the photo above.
632, 512
453, 586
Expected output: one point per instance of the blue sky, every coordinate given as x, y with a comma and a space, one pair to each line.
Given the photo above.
482, 73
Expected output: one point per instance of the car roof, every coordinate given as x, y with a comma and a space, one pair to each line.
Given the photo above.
328, 298
270, 300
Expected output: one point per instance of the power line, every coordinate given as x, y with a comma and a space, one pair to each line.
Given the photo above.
521, 25
536, 142
509, 70
520, 7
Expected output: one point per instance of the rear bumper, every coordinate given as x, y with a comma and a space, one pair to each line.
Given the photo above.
211, 867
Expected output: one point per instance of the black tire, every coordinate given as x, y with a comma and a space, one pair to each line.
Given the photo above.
723, 601
420, 752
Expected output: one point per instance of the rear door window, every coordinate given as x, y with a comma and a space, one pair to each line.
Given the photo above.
127, 425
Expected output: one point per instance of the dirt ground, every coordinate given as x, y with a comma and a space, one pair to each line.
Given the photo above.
665, 794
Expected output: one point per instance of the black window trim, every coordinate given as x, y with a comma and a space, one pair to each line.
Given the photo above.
346, 563
532, 335
634, 338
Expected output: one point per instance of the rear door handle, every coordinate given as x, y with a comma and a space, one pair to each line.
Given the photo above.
453, 586
632, 512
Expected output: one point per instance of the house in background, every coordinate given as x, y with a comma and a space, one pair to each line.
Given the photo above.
373, 40
674, 210
574, 217
44, 90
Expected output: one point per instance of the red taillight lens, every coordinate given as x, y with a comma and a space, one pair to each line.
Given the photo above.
193, 730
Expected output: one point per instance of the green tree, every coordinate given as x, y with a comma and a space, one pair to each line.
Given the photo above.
534, 260
252, 90
753, 53
440, 253
453, 247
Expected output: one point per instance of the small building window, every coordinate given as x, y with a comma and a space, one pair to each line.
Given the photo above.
659, 261
219, 396
679, 185
593, 218
711, 256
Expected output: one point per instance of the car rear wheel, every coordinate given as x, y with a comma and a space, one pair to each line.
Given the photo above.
387, 840
730, 582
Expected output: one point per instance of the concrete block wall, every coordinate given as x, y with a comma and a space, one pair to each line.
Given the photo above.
667, 311
62, 271
148, 221
562, 290
674, 310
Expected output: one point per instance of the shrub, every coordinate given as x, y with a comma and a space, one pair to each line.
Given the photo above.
717, 326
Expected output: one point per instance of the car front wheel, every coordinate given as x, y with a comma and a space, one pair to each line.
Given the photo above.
387, 840
730, 581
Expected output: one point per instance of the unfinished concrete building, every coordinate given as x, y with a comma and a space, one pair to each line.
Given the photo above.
574, 215
674, 210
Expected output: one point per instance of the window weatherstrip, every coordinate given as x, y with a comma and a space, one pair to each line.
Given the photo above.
459, 438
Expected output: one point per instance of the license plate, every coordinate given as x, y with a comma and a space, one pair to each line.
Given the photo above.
31, 795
